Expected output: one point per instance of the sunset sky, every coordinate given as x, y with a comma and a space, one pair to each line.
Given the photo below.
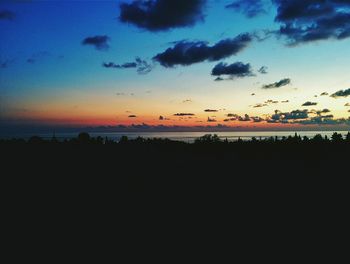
240, 64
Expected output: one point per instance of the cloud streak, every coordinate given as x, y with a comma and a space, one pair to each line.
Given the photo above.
234, 70
99, 42
278, 84
309, 103
184, 114
250, 8
142, 66
263, 70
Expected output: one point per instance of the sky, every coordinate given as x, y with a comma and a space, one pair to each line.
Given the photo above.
227, 64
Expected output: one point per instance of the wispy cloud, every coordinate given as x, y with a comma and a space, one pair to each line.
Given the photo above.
250, 8
184, 114
263, 70
278, 84
142, 66
309, 103
100, 42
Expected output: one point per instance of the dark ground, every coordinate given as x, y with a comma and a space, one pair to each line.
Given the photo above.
278, 198
149, 166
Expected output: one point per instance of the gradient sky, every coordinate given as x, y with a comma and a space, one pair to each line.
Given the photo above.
48, 76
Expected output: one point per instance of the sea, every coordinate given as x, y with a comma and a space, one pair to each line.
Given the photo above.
188, 137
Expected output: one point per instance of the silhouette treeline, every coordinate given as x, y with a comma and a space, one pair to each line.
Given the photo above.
85, 139
94, 164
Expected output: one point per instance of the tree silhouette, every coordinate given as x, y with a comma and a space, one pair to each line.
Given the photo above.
35, 140
317, 138
337, 137
123, 139
347, 138
84, 138
208, 138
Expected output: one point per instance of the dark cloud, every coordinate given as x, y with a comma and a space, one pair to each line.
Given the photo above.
309, 103
312, 20
234, 70
31, 61
233, 116
163, 118
218, 79
99, 42
341, 93
126, 94
296, 114
184, 114
320, 113
4, 64
278, 84
271, 102
120, 66
211, 120
245, 118
324, 111
187, 101
286, 116
324, 94
230, 119
293, 117
285, 101
259, 105
189, 52
324, 120
257, 119
263, 70
210, 110
347, 104
327, 116
161, 15
7, 15
38, 56
250, 8
142, 66
132, 116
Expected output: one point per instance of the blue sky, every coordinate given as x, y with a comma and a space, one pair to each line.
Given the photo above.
48, 76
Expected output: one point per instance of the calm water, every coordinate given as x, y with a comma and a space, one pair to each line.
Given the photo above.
189, 136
